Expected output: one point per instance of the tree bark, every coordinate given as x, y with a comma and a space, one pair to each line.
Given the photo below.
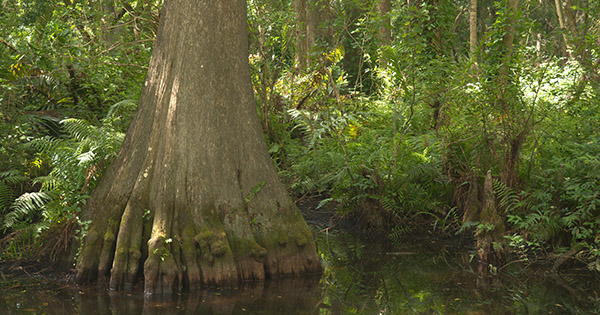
513, 139
507, 43
385, 32
193, 198
473, 30
310, 15
301, 45
316, 15
491, 246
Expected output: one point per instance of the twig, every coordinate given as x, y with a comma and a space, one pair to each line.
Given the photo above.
12, 288
8, 45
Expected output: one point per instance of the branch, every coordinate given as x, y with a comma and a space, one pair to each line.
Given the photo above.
457, 19
8, 45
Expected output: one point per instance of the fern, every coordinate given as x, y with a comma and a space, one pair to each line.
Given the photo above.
119, 115
304, 121
388, 204
47, 182
26, 205
507, 197
79, 129
398, 232
70, 159
13, 177
420, 171
121, 109
6, 197
45, 144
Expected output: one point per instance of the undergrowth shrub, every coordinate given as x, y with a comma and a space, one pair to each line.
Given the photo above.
76, 161
354, 160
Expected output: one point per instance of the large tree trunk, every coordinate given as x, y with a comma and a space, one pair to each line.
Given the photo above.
317, 13
491, 245
193, 198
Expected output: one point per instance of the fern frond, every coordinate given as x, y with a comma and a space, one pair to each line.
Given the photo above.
45, 144
79, 129
303, 120
6, 197
12, 177
420, 171
507, 197
389, 204
47, 81
48, 182
398, 232
26, 204
121, 108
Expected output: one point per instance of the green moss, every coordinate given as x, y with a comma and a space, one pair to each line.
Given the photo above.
244, 247
187, 246
205, 237
109, 236
258, 251
217, 248
301, 240
207, 257
283, 239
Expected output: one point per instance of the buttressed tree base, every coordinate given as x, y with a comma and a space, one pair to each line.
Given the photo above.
193, 198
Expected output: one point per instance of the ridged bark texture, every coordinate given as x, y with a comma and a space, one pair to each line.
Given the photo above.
193, 198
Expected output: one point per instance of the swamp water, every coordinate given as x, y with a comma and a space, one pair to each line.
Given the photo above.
419, 276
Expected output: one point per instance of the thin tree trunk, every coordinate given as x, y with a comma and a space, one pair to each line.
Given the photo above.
193, 198
473, 30
574, 39
301, 43
513, 142
507, 43
385, 32
491, 245
317, 12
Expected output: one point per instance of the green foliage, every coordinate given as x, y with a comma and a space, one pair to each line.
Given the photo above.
6, 197
508, 199
254, 190
62, 60
26, 206
76, 162
389, 131
350, 156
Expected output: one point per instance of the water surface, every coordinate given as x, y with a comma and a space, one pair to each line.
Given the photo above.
416, 276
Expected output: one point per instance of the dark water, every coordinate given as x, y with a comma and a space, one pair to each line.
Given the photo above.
414, 277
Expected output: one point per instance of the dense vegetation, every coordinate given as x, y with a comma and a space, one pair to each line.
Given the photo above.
394, 114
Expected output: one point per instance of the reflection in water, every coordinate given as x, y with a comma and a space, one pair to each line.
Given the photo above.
294, 296
423, 277
359, 278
